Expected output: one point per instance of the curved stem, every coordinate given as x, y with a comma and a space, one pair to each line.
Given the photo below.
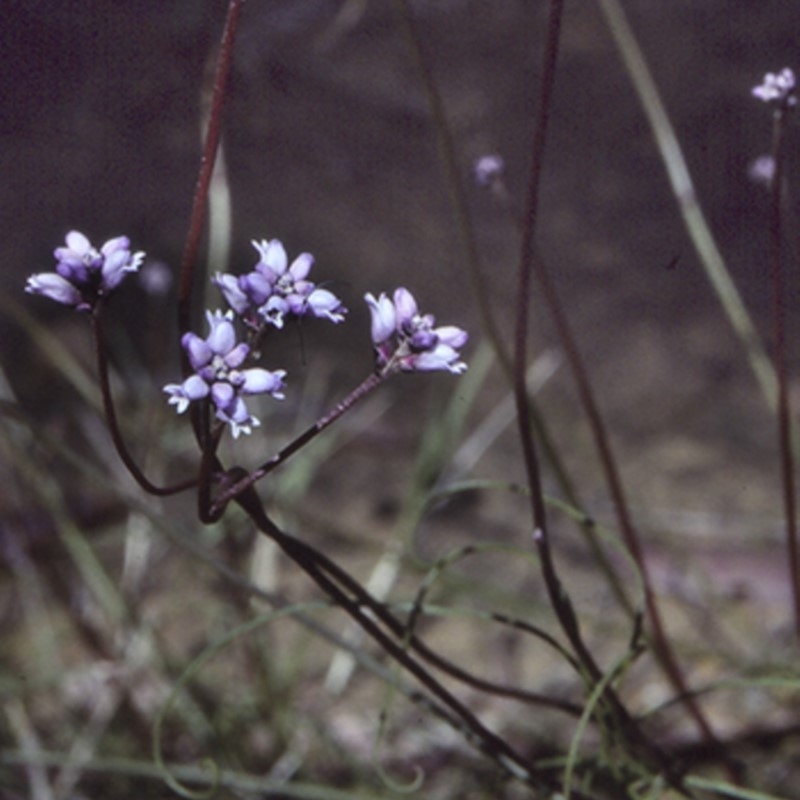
404, 633
210, 466
524, 273
113, 422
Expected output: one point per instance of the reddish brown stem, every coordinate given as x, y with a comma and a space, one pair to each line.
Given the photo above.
113, 422
210, 148
361, 391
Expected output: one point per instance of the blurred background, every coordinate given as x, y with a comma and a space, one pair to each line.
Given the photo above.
329, 146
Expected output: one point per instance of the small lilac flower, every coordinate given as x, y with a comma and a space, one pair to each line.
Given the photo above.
155, 278
83, 274
384, 318
217, 362
407, 341
777, 88
762, 170
487, 169
276, 289
237, 298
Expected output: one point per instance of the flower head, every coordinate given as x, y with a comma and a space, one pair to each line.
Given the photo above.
84, 274
217, 361
408, 341
275, 289
777, 88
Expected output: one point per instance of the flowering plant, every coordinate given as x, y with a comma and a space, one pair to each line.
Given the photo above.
216, 394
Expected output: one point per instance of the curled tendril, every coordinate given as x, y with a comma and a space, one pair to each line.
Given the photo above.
407, 787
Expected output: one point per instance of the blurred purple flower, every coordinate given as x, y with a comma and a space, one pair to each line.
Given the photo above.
83, 274
407, 341
777, 88
488, 169
762, 170
217, 362
275, 289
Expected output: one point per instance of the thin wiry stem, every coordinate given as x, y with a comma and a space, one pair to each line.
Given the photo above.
359, 393
779, 335
558, 597
199, 417
210, 147
659, 638
683, 189
686, 196
528, 262
113, 422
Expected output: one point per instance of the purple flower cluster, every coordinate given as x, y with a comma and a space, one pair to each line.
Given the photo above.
777, 88
84, 274
275, 290
407, 341
217, 362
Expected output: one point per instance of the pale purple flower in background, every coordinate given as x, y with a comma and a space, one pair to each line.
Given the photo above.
218, 375
488, 169
777, 88
275, 289
408, 341
155, 278
762, 170
84, 274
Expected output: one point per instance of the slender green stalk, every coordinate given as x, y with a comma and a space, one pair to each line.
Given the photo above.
784, 422
684, 191
716, 271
